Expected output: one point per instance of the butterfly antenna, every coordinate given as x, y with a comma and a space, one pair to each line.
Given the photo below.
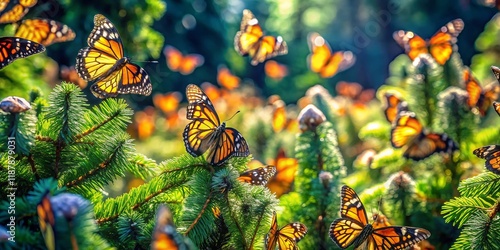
233, 115
147, 61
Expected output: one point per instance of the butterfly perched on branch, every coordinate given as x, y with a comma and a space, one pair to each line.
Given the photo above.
251, 41
258, 176
12, 48
286, 237
325, 62
103, 62
408, 133
206, 134
440, 46
352, 228
394, 105
44, 31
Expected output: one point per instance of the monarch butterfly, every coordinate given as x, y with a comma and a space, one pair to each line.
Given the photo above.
250, 40
17, 10
286, 237
496, 106
479, 97
409, 133
165, 236
205, 133
323, 61
491, 154
226, 79
103, 62
275, 70
44, 31
286, 168
144, 123
440, 46
394, 105
258, 176
184, 64
47, 221
353, 228
12, 48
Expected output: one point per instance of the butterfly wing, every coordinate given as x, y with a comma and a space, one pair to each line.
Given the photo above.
280, 119
394, 105
12, 48
472, 87
275, 70
396, 238
350, 227
406, 128
430, 143
272, 236
496, 106
285, 174
489, 95
105, 49
44, 31
229, 143
491, 154
258, 176
174, 57
226, 79
47, 221
165, 236
442, 44
413, 44
290, 235
17, 11
190, 63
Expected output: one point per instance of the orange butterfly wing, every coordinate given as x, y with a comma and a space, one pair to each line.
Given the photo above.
443, 42
496, 106
275, 70
226, 79
322, 61
491, 154
394, 105
287, 237
12, 48
165, 236
286, 168
17, 11
45, 31
258, 176
413, 44
280, 119
185, 65
472, 87
46, 221
168, 102
405, 130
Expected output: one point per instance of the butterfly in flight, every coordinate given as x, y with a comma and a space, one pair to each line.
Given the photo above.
286, 167
275, 70
12, 48
491, 154
47, 221
44, 31
165, 235
480, 98
103, 63
286, 237
251, 41
440, 46
184, 64
353, 228
323, 61
16, 11
394, 105
408, 133
205, 132
226, 79
258, 176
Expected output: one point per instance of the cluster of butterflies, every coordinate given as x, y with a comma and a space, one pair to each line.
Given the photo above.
31, 35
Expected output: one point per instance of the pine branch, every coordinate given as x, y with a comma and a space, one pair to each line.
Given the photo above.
459, 210
486, 184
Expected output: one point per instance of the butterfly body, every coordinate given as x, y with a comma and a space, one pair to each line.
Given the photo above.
251, 41
104, 63
206, 134
352, 228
